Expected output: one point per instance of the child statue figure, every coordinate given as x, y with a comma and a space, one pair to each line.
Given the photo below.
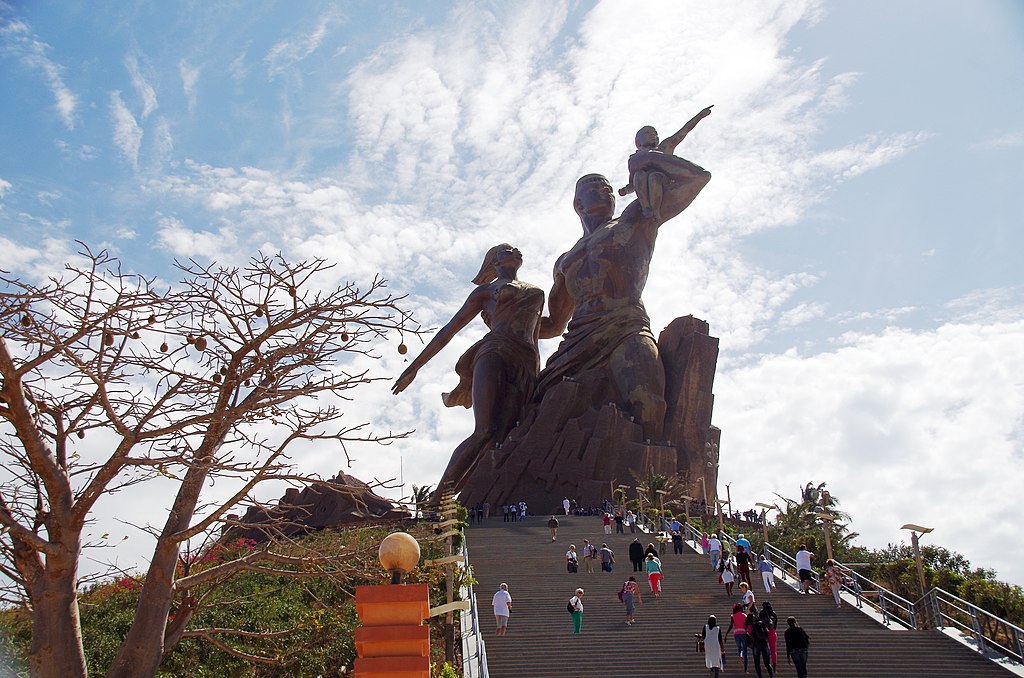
653, 165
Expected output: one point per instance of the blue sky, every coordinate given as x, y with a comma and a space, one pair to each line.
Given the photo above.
856, 251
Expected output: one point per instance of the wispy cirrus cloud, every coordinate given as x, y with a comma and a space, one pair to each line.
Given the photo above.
143, 89
127, 131
189, 82
290, 51
17, 39
1014, 139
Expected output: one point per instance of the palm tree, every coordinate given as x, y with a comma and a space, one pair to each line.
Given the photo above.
798, 523
420, 496
651, 483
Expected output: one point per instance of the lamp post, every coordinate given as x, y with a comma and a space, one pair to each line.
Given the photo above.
622, 498
704, 487
711, 452
765, 508
640, 507
827, 518
686, 506
661, 521
914, 530
721, 523
728, 497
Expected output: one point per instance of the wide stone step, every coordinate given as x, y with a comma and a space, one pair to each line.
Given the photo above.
540, 642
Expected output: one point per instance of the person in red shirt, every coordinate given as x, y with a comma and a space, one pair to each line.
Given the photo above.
738, 624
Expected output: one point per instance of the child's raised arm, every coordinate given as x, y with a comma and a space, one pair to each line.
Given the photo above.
669, 144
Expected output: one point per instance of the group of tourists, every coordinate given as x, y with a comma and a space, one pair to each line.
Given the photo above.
754, 632
753, 626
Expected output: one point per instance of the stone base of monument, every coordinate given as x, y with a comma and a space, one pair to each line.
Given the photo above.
579, 443
576, 461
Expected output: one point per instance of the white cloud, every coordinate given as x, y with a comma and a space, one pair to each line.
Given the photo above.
181, 241
189, 80
904, 426
801, 314
286, 53
1014, 139
127, 132
143, 88
5, 186
163, 141
44, 258
32, 52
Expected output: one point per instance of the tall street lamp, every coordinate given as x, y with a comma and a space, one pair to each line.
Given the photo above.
765, 508
721, 524
661, 520
827, 518
704, 487
622, 498
686, 506
640, 507
914, 530
711, 452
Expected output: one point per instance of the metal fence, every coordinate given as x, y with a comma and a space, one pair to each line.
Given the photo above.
990, 633
474, 650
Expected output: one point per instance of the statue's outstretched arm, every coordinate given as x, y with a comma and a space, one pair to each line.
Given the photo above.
473, 306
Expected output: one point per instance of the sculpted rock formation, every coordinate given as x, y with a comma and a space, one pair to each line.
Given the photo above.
577, 442
341, 500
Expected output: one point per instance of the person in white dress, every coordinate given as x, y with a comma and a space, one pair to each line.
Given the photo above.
714, 655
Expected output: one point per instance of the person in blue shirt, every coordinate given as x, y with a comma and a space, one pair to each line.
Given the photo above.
744, 542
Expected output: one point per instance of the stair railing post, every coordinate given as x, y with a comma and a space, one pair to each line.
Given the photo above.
978, 634
882, 606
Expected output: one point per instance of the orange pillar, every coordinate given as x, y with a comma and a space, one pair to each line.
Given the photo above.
393, 641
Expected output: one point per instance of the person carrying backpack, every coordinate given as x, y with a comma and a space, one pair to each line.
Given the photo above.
757, 640
630, 595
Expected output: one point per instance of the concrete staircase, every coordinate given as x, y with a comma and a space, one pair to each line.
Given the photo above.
540, 642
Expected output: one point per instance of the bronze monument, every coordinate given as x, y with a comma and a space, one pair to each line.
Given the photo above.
598, 411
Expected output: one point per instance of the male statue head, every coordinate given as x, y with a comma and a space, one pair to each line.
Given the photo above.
594, 201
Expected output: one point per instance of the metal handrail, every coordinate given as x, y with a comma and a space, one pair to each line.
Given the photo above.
474, 650
695, 534
891, 606
988, 631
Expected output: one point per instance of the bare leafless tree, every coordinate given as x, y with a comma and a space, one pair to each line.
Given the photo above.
178, 384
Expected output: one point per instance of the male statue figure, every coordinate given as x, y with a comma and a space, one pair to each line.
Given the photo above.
598, 284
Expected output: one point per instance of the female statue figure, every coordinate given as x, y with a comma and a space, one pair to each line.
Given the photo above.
498, 373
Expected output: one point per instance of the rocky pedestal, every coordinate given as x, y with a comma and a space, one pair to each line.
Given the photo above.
580, 443
341, 500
